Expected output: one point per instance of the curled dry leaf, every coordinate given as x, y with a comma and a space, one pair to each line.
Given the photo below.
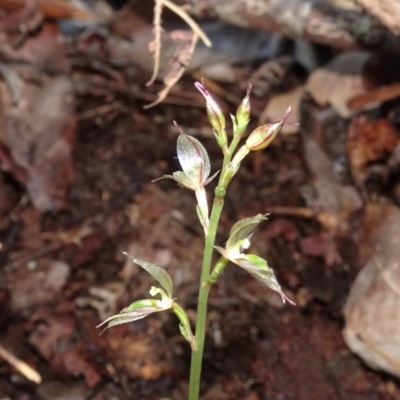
372, 308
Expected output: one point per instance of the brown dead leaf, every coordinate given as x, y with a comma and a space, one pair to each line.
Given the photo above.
57, 342
55, 390
46, 338
49, 8
139, 355
322, 245
369, 142
40, 286
75, 363
39, 124
335, 200
372, 308
339, 81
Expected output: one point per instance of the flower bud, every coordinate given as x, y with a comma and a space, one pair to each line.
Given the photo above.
262, 136
243, 112
215, 115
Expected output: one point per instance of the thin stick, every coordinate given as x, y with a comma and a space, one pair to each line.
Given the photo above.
188, 19
20, 366
157, 29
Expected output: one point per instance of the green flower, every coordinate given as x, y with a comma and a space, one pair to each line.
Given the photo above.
142, 308
195, 164
196, 172
238, 242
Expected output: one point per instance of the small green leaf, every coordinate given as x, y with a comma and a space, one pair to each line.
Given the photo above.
241, 231
157, 272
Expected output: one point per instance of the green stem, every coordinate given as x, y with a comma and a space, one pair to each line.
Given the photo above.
204, 289
197, 355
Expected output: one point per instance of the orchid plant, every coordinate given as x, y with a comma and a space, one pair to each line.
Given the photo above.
195, 175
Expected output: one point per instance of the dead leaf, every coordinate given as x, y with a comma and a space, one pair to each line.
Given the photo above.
339, 81
57, 342
38, 128
38, 287
50, 8
55, 390
322, 245
47, 337
76, 365
369, 142
138, 355
372, 308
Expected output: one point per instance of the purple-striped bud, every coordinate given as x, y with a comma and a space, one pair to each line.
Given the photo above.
262, 136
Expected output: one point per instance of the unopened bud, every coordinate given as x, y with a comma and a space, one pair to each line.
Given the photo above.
215, 115
262, 136
243, 112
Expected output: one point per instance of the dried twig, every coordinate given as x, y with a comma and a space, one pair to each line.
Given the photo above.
184, 56
329, 220
181, 60
20, 366
188, 19
155, 45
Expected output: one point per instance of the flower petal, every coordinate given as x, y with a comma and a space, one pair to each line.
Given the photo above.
241, 231
157, 272
193, 159
258, 267
183, 180
137, 310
